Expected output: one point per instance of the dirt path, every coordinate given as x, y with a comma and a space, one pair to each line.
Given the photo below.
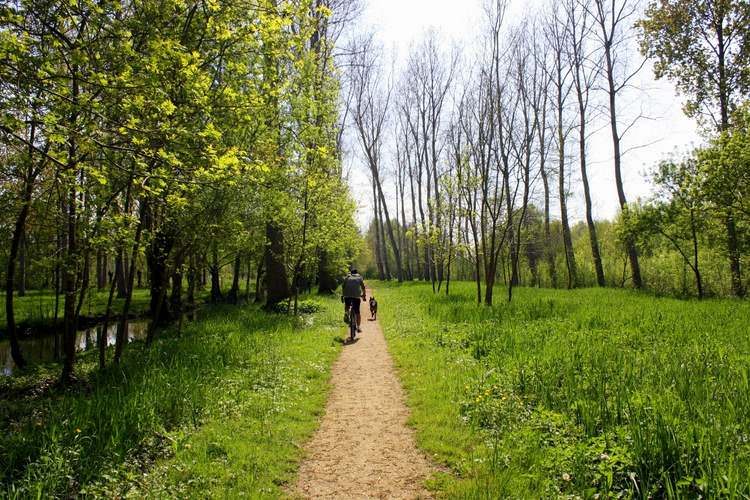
363, 448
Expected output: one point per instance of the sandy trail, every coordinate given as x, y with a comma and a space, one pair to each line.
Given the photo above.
363, 448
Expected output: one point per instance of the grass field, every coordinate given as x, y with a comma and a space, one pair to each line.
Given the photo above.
590, 392
219, 411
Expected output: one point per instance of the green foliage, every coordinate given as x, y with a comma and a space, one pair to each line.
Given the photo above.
575, 393
724, 174
704, 47
303, 307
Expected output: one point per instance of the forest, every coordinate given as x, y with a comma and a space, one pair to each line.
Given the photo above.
180, 204
486, 158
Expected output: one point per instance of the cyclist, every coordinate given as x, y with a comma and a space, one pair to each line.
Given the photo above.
353, 289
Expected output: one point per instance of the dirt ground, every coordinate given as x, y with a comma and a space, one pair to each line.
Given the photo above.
363, 448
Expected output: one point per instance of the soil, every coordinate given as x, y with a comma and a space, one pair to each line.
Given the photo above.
364, 448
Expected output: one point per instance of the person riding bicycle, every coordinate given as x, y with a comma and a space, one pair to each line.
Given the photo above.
353, 289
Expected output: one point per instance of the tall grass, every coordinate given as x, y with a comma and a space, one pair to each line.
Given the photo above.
265, 373
577, 392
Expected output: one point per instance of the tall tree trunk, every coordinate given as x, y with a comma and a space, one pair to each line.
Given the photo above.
248, 272
549, 250
69, 288
277, 284
120, 271
391, 237
403, 238
15, 347
102, 333
612, 91
122, 329
415, 238
376, 220
157, 256
191, 278
696, 268
570, 259
22, 266
214, 270
175, 299
101, 269
383, 245
259, 280
233, 297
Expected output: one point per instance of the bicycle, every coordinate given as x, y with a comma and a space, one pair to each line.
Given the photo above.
352, 320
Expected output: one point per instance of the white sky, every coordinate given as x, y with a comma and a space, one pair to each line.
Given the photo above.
399, 23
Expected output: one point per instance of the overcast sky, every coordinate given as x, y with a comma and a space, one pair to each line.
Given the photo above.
400, 23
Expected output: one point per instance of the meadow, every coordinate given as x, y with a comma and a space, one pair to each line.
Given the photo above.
592, 393
218, 411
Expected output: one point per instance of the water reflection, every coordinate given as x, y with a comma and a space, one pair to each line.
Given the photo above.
42, 349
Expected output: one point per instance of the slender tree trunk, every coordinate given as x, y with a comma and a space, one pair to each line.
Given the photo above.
192, 278
22, 266
415, 238
175, 300
214, 271
259, 281
234, 293
594, 240
248, 271
383, 244
696, 267
101, 269
549, 250
120, 271
102, 334
567, 239
122, 329
376, 220
15, 347
612, 91
69, 288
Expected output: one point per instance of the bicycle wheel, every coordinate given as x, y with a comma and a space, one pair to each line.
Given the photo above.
352, 324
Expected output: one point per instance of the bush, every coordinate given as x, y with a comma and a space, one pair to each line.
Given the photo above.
303, 307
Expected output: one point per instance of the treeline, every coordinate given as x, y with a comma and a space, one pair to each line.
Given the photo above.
160, 142
485, 152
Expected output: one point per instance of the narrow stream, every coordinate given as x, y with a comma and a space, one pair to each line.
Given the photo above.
42, 349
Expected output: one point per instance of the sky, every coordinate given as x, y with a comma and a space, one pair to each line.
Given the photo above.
666, 131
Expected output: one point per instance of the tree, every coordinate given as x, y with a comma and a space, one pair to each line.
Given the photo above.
704, 47
585, 72
678, 213
612, 18
558, 37
371, 101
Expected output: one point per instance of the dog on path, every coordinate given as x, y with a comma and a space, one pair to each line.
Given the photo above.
373, 308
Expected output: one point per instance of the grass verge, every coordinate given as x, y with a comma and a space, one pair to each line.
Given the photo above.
220, 412
586, 393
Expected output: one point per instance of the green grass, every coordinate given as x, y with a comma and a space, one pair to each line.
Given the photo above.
583, 392
222, 410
